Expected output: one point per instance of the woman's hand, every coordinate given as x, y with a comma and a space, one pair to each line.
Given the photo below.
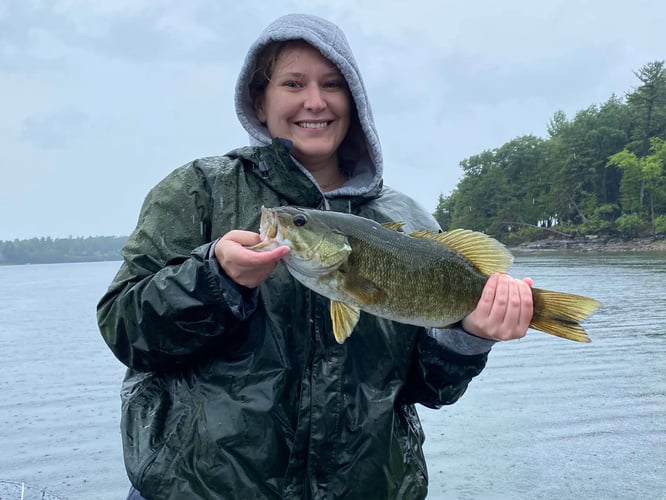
504, 311
246, 267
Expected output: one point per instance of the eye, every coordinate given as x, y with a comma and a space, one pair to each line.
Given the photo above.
300, 220
334, 84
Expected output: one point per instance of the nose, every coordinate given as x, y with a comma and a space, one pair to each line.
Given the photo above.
314, 98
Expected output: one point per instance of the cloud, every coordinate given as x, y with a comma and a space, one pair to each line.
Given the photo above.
141, 31
119, 93
53, 130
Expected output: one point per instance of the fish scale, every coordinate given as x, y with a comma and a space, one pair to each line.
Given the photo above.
437, 276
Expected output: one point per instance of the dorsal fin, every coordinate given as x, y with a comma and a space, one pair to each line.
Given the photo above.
393, 226
425, 233
486, 254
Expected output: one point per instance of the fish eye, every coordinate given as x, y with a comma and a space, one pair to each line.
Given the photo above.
299, 220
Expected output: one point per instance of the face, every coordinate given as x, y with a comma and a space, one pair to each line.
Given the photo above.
306, 101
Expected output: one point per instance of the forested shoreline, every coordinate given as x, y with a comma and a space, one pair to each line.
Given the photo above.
599, 174
55, 250
598, 178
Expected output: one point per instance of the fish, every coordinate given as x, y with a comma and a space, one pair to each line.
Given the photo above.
425, 278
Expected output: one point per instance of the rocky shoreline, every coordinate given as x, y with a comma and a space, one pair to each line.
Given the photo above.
582, 245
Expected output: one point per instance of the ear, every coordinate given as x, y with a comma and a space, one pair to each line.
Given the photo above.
259, 108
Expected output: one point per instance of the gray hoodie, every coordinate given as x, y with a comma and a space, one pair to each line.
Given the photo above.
364, 162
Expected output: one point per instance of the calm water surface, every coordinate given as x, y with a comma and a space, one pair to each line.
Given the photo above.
547, 419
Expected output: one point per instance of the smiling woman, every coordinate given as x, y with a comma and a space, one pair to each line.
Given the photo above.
306, 100
235, 385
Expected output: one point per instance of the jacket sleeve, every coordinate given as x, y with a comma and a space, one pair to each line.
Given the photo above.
170, 301
443, 364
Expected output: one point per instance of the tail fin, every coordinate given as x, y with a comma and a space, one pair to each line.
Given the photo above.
560, 314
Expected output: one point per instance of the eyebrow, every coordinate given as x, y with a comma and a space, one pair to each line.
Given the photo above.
297, 74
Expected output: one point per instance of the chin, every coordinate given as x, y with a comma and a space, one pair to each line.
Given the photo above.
313, 154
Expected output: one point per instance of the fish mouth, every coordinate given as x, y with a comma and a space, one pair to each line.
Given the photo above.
268, 227
268, 230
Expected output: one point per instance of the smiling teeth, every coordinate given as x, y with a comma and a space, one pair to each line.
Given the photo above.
313, 124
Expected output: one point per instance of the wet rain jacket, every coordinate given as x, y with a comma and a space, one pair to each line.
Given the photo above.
244, 393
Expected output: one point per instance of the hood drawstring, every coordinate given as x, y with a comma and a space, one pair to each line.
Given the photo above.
263, 169
324, 205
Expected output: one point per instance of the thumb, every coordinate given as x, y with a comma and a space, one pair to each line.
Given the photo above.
272, 255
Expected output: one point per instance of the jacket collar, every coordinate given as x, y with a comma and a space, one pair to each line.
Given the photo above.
275, 167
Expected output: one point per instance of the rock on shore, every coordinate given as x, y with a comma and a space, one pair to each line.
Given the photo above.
651, 244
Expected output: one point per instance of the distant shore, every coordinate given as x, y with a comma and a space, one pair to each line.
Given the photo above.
555, 244
582, 245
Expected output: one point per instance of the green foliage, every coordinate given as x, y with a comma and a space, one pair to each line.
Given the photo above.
502, 186
629, 225
660, 224
647, 104
601, 220
643, 178
48, 250
577, 160
443, 212
592, 171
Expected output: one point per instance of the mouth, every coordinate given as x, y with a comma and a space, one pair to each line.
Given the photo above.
314, 125
268, 230
268, 227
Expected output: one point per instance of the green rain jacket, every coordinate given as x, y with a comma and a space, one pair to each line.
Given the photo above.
244, 393
235, 393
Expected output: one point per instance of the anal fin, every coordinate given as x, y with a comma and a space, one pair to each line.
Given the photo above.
344, 318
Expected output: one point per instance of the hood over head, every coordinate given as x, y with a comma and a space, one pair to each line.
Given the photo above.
360, 154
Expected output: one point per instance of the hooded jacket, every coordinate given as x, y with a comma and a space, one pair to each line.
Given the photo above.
244, 393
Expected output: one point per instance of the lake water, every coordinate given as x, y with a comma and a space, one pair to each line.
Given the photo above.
547, 419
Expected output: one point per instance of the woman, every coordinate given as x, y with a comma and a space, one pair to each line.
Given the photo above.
236, 387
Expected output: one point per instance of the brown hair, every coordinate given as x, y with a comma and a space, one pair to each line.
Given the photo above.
264, 64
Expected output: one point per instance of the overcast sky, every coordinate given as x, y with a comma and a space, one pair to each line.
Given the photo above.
99, 100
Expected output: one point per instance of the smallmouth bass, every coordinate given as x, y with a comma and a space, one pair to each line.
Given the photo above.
425, 279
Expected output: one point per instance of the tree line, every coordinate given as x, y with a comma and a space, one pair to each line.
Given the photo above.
50, 250
600, 172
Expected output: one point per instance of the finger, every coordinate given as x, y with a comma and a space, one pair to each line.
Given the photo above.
527, 306
488, 296
500, 303
245, 238
250, 268
260, 258
513, 307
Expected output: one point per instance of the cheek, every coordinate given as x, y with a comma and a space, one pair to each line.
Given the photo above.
344, 108
268, 107
276, 112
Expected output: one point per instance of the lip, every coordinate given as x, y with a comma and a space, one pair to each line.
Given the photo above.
268, 230
269, 223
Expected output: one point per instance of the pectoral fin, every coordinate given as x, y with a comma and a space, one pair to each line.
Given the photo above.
362, 290
344, 318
